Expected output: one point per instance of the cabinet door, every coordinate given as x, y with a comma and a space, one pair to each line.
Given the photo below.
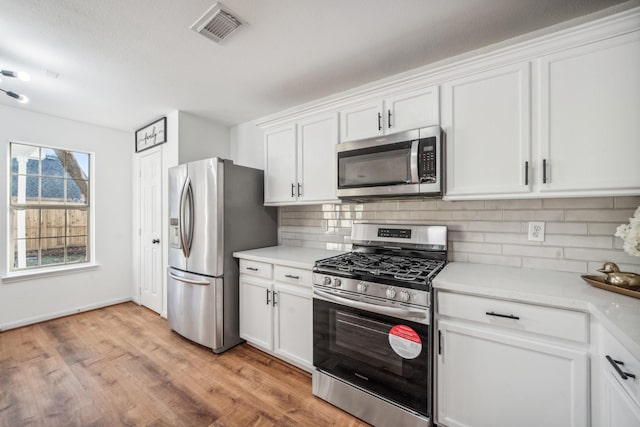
488, 378
280, 184
589, 127
317, 139
486, 118
412, 110
293, 324
618, 408
361, 121
256, 325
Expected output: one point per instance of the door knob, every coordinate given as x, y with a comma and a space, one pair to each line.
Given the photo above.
155, 241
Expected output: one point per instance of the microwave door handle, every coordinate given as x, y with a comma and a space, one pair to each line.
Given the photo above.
414, 161
389, 311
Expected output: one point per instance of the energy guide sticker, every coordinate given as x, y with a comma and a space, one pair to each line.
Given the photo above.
405, 342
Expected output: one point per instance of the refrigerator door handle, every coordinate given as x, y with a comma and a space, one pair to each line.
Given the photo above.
185, 239
193, 282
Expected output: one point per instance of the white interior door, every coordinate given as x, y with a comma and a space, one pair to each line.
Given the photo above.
150, 230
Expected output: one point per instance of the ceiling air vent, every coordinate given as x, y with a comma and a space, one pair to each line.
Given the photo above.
216, 24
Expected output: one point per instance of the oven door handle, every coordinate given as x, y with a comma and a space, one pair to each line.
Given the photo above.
380, 309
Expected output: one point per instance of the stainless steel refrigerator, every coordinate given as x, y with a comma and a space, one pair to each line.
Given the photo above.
215, 209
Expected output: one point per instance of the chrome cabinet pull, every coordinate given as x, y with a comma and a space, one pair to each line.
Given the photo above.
506, 316
526, 173
616, 365
299, 190
292, 187
252, 268
389, 119
291, 276
268, 300
379, 121
544, 171
274, 298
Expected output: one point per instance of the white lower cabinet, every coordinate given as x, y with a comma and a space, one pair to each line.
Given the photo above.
495, 374
276, 314
618, 393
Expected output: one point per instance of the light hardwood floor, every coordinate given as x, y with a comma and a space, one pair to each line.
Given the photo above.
121, 365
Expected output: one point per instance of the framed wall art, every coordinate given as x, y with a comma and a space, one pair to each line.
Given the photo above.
155, 133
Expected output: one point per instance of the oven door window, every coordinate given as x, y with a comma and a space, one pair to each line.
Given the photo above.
369, 167
354, 345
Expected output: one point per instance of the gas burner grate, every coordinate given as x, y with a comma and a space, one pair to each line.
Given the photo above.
403, 268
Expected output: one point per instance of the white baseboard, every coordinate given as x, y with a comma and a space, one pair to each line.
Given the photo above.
49, 316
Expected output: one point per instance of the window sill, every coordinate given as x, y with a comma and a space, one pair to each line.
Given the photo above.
48, 272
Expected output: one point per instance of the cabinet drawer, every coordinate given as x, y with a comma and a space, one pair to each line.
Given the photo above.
610, 346
567, 324
293, 275
255, 268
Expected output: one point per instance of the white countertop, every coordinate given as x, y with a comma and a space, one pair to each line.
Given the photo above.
620, 314
290, 256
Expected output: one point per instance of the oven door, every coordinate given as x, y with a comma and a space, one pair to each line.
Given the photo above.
379, 166
384, 355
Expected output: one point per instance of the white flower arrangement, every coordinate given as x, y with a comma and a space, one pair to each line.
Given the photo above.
630, 234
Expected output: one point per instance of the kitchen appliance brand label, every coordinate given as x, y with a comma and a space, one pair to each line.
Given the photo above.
405, 342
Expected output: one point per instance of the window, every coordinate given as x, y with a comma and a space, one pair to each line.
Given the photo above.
49, 207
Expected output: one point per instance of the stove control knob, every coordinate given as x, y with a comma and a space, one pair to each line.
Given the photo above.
326, 281
391, 293
362, 287
337, 283
404, 296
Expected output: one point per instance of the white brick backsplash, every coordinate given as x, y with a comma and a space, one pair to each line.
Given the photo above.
529, 204
473, 204
477, 215
579, 231
555, 264
532, 251
627, 202
579, 203
534, 215
602, 242
579, 228
495, 260
601, 255
482, 248
602, 228
516, 238
600, 215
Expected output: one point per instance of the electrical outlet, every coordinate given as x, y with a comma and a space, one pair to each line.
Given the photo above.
536, 231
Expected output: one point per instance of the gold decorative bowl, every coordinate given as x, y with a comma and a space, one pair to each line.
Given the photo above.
599, 282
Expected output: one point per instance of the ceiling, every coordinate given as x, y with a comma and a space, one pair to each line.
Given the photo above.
122, 63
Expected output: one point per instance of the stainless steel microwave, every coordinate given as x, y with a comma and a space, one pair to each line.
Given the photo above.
404, 164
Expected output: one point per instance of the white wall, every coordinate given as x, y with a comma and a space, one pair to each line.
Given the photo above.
33, 300
247, 148
200, 138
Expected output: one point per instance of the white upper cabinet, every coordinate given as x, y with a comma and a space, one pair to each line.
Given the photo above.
590, 118
300, 161
280, 165
317, 139
403, 111
487, 119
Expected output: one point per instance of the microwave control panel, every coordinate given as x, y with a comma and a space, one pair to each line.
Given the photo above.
427, 152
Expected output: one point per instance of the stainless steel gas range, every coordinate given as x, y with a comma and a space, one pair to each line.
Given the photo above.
372, 323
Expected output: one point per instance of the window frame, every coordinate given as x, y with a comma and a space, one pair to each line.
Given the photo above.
13, 273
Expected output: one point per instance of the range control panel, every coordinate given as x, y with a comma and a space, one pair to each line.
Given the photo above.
396, 233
